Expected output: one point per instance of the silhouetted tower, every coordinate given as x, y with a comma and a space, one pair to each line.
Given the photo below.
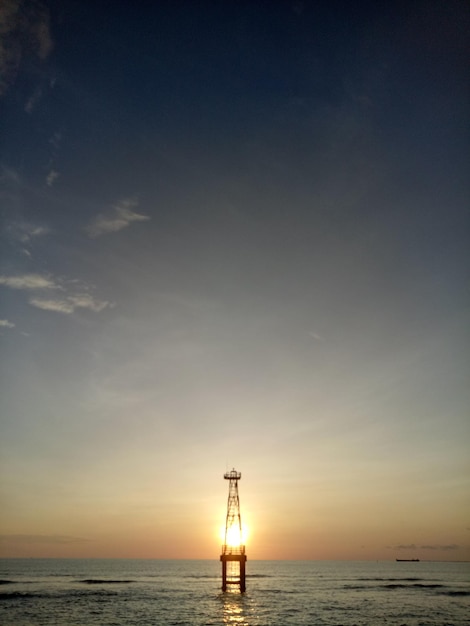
233, 555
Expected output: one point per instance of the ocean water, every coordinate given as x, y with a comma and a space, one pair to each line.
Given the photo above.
113, 592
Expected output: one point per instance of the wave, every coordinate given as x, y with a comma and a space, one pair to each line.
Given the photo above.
420, 585
397, 585
408, 579
438, 588
17, 595
284, 592
457, 593
104, 581
26, 595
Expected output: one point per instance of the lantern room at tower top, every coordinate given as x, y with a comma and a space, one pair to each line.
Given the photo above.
233, 555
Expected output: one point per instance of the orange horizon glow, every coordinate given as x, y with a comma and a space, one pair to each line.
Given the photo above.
273, 533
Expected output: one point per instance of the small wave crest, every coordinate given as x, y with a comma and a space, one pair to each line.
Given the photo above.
414, 585
27, 595
17, 595
459, 593
397, 585
104, 581
391, 580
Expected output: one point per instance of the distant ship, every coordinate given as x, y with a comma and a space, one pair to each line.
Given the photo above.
408, 560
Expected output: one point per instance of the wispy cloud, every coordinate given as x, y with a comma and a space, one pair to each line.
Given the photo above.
405, 546
29, 281
119, 217
86, 301
412, 546
445, 548
316, 336
56, 139
33, 100
69, 304
36, 231
73, 294
59, 306
41, 539
6, 324
25, 232
52, 177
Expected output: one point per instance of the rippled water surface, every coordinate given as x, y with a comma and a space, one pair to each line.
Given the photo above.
279, 593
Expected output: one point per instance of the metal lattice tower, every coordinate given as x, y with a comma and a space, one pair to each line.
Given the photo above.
233, 550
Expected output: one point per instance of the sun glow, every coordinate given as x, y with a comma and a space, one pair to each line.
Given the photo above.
234, 537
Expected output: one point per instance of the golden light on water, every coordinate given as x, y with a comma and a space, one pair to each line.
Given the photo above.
235, 609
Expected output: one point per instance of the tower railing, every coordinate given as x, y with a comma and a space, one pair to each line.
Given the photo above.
227, 549
232, 475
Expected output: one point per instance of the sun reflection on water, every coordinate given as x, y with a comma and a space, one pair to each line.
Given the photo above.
236, 608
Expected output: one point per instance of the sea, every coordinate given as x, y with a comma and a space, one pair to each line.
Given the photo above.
113, 592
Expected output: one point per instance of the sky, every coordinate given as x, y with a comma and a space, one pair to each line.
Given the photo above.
234, 234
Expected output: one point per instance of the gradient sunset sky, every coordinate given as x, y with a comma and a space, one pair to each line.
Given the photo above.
235, 234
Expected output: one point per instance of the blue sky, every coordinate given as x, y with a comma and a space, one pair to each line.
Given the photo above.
234, 234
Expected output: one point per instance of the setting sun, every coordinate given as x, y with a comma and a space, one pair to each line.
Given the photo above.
234, 537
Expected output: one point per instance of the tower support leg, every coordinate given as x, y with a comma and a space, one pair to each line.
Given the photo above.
236, 575
224, 575
242, 576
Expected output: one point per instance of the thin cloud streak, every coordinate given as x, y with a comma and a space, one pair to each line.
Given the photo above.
70, 304
24, 232
28, 281
315, 336
413, 546
36, 231
59, 306
52, 177
85, 301
444, 548
6, 324
33, 101
120, 217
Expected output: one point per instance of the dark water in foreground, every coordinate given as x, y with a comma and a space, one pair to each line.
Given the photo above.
279, 593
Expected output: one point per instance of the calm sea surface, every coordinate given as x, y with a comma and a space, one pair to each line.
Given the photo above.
279, 593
